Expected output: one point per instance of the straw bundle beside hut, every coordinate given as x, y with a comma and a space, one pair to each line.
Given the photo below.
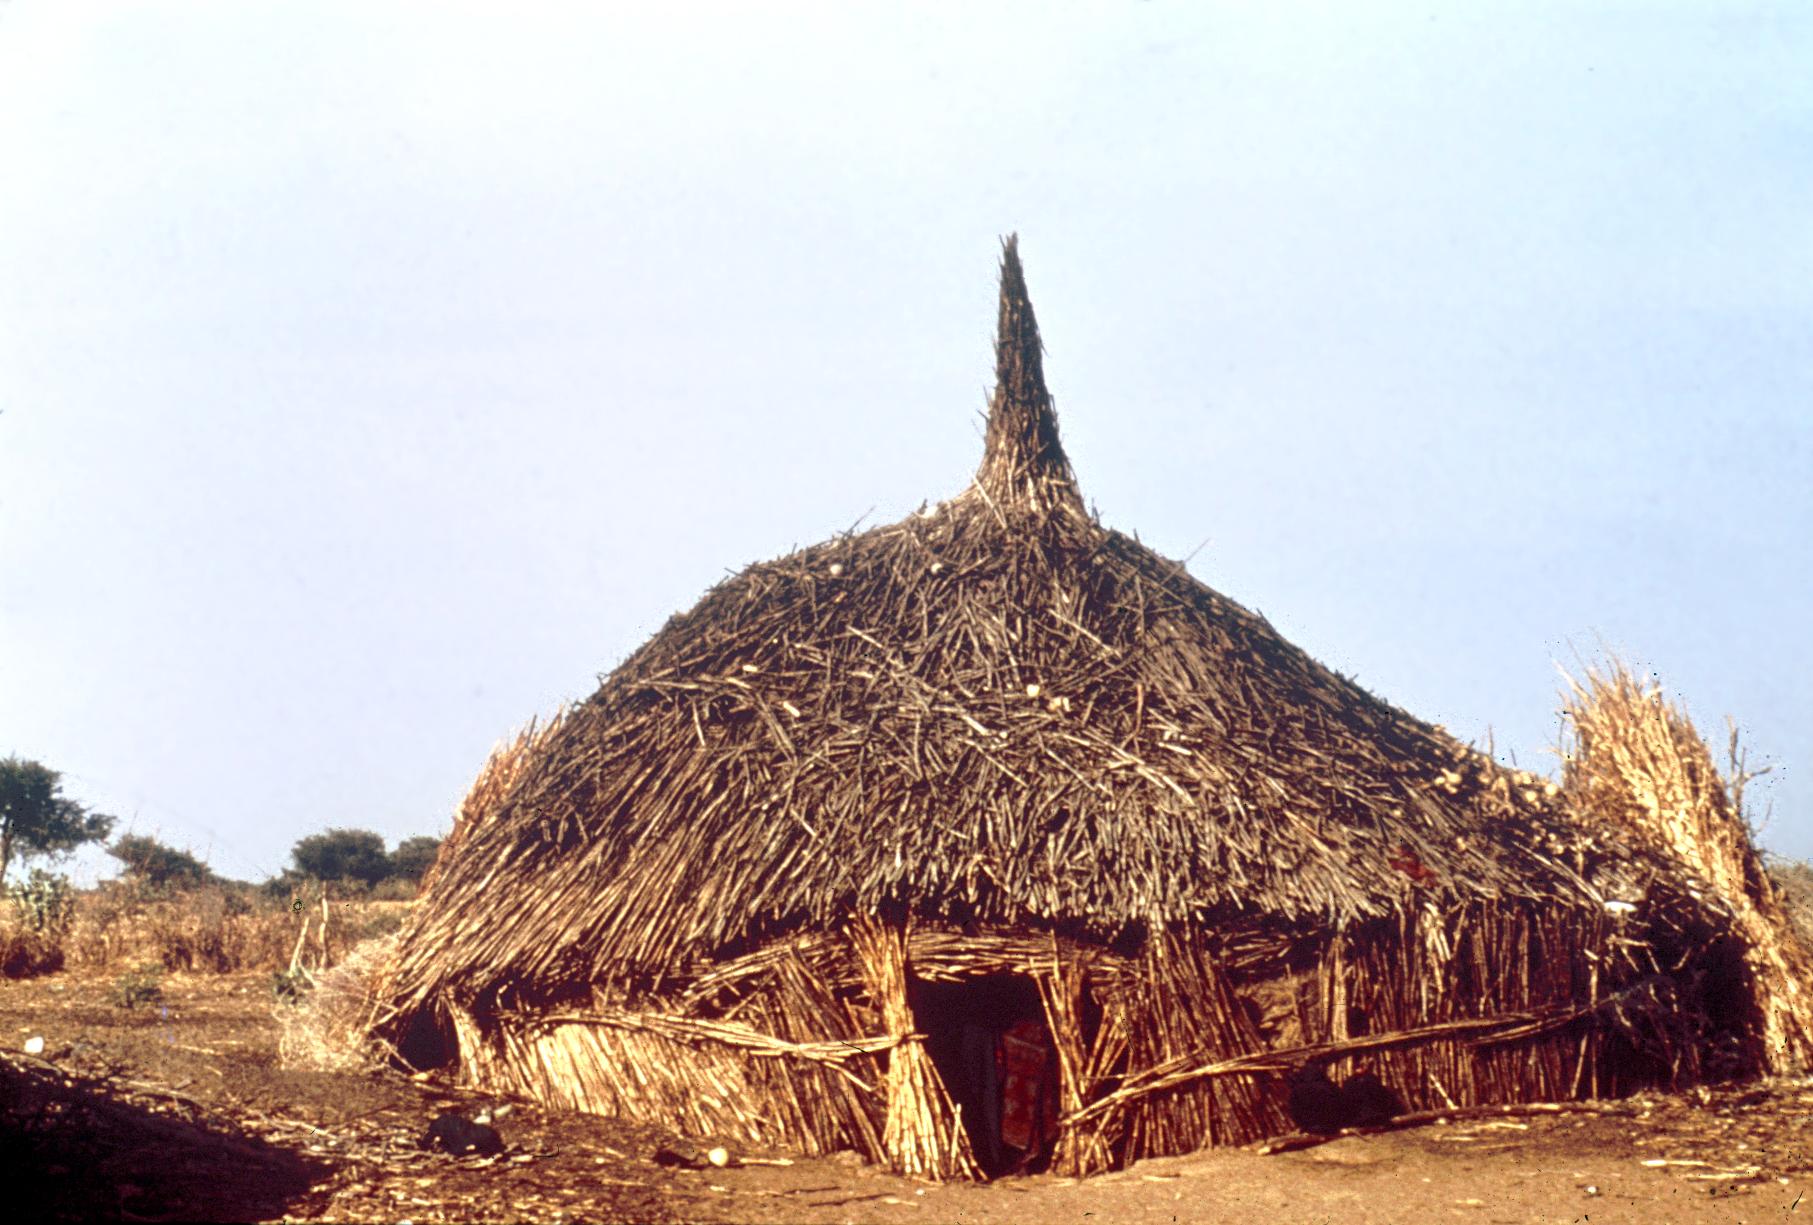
805, 861
1634, 760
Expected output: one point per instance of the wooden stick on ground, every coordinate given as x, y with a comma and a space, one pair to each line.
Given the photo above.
1300, 1140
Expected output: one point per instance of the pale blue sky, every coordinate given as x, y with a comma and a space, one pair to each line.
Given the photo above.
372, 375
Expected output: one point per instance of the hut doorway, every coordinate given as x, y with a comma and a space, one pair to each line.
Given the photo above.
988, 1039
427, 1042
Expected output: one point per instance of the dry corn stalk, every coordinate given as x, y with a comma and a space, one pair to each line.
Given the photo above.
923, 1135
1637, 761
1081, 1151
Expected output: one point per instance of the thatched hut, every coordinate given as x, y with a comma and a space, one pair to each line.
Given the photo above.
802, 865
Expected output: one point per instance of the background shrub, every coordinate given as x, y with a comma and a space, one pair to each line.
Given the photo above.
159, 866
413, 857
343, 855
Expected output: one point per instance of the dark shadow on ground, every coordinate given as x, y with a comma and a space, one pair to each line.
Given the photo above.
78, 1148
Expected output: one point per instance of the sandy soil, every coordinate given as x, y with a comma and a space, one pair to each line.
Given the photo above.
179, 1111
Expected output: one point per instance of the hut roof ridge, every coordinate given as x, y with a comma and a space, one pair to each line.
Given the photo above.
1023, 460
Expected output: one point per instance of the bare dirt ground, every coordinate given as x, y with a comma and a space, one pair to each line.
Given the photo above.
178, 1111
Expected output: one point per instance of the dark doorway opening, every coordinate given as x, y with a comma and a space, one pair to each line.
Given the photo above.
427, 1041
988, 1039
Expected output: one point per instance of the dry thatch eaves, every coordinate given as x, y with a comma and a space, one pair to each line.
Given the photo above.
997, 711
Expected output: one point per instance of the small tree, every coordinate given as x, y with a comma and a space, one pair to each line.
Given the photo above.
37, 819
152, 862
413, 857
343, 854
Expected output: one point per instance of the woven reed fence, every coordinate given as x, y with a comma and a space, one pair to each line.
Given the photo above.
811, 1043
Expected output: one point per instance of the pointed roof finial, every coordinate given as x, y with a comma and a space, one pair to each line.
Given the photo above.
1023, 462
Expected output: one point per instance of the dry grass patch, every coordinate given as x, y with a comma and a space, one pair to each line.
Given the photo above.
327, 1028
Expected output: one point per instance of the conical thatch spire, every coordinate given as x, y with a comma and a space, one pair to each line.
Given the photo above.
1024, 463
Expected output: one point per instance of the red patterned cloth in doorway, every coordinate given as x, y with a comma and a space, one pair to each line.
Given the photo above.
1028, 1085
